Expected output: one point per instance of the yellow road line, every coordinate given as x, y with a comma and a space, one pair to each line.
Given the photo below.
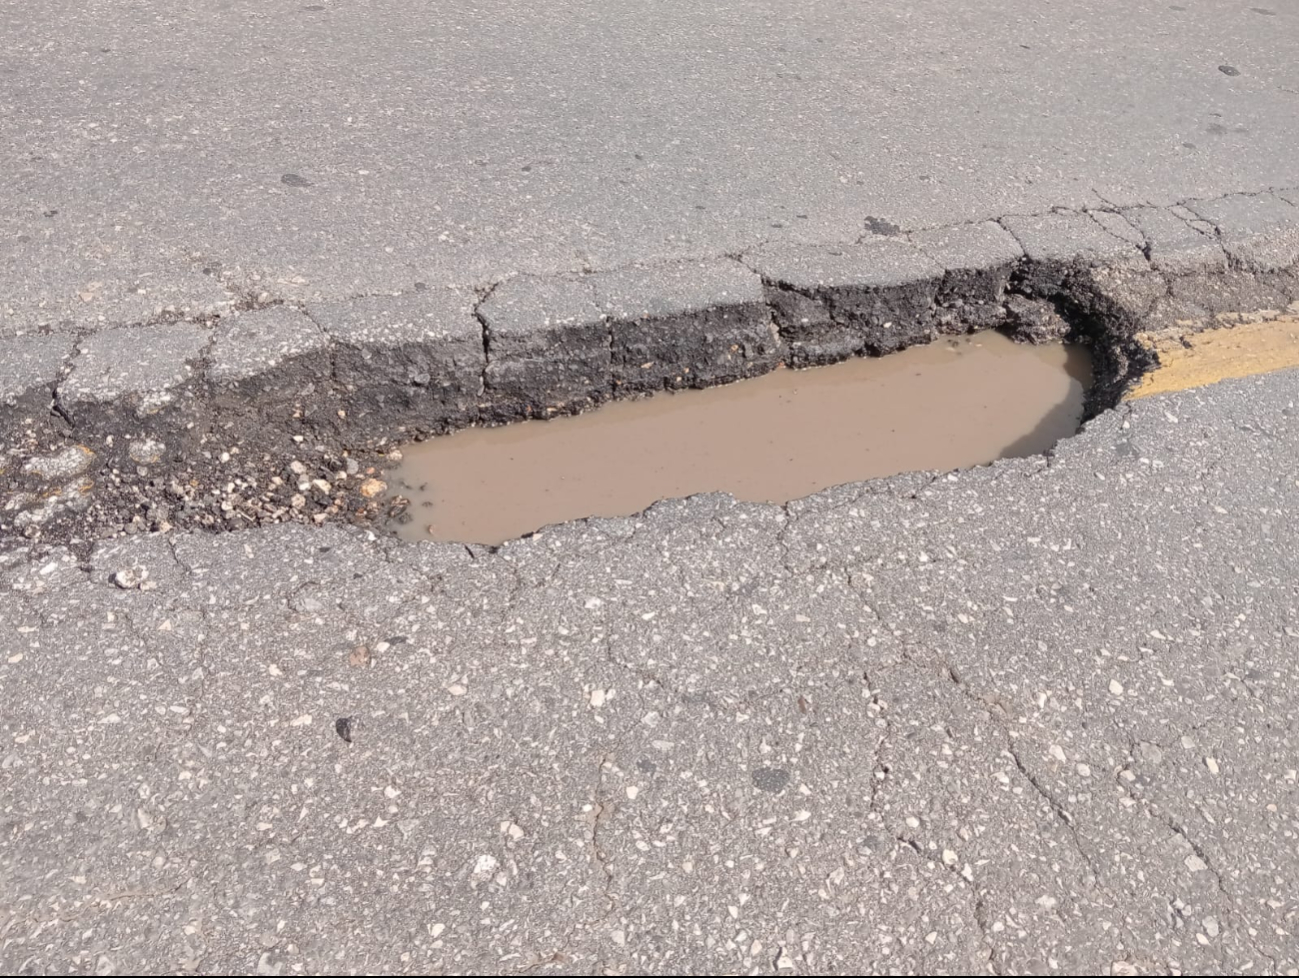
1221, 353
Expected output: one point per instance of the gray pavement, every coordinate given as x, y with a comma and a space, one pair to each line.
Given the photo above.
1036, 718
179, 158
293, 233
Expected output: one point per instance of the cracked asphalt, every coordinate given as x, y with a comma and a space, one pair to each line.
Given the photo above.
1035, 718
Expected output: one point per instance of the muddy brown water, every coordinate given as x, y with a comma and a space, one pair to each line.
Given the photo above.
949, 405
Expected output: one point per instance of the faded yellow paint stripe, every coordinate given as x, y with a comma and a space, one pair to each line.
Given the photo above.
1221, 353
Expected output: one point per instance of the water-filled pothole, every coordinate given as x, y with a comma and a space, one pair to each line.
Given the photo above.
949, 405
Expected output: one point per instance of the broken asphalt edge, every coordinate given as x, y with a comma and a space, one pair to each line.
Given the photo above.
379, 370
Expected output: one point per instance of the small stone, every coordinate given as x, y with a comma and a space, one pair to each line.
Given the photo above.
1116, 687
298, 501
1196, 865
343, 727
485, 868
1084, 770
146, 451
950, 858
1212, 927
1122, 968
1212, 765
373, 487
297, 468
322, 485
67, 464
131, 578
359, 657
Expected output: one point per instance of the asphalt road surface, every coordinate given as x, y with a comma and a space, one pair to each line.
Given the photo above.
1036, 718
352, 147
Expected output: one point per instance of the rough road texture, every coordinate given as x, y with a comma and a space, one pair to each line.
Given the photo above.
1039, 718
193, 422
242, 240
167, 158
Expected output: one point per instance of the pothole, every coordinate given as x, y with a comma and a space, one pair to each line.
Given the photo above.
958, 403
